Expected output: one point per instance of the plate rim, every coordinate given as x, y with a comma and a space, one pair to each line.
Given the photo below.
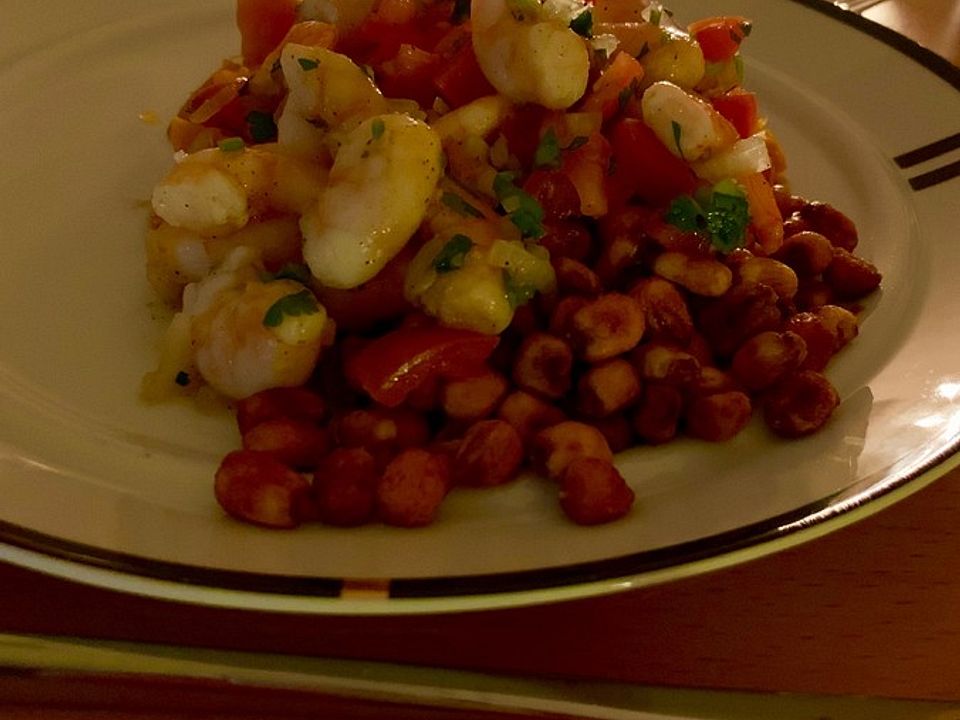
374, 598
333, 595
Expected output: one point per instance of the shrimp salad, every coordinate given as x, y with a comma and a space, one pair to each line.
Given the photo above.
420, 245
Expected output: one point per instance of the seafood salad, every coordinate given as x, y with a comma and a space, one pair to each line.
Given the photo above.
421, 245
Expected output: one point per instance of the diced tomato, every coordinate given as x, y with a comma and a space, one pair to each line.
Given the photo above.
409, 75
376, 41
587, 166
461, 80
555, 192
606, 95
720, 37
739, 106
263, 24
644, 167
765, 217
378, 300
522, 131
390, 367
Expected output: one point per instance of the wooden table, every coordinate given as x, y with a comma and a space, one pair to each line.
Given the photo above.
872, 609
933, 23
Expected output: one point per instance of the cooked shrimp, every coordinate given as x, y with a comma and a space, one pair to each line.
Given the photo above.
239, 351
463, 133
328, 93
687, 125
177, 257
177, 368
530, 54
241, 335
219, 191
381, 182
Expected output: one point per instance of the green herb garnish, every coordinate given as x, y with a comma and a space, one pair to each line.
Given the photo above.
232, 144
677, 134
686, 214
548, 151
261, 126
628, 93
521, 207
293, 305
452, 256
517, 293
459, 205
377, 128
308, 64
294, 271
655, 16
582, 24
721, 213
461, 11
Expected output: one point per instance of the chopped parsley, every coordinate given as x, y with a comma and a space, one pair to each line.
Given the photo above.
721, 213
677, 134
627, 94
521, 207
459, 205
517, 293
291, 271
308, 64
655, 16
261, 126
231, 144
461, 11
377, 128
548, 151
452, 256
292, 305
582, 24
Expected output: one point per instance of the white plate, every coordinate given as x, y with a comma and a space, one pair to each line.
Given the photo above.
99, 488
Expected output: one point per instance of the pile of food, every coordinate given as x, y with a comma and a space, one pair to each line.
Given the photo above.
429, 244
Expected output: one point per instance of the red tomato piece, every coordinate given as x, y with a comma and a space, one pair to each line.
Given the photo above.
555, 192
605, 95
409, 75
379, 299
720, 37
263, 24
765, 216
587, 166
522, 131
376, 41
644, 167
461, 80
739, 106
392, 366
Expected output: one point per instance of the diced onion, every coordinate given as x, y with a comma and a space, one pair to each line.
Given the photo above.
744, 157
